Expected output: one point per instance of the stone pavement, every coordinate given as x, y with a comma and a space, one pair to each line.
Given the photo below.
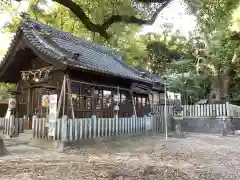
13, 142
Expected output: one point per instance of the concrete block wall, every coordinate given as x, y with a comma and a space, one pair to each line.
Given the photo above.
206, 124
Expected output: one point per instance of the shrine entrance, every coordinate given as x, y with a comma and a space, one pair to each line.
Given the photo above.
35, 102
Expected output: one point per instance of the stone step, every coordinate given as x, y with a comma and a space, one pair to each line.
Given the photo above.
45, 144
14, 142
28, 131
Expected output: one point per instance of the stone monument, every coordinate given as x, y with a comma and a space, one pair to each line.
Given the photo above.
177, 115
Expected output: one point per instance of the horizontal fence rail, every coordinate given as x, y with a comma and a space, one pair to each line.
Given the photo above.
87, 128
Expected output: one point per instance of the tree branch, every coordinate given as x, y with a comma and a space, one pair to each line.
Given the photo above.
132, 19
102, 28
78, 11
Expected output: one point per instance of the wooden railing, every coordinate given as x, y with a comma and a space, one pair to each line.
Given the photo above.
205, 110
12, 126
87, 128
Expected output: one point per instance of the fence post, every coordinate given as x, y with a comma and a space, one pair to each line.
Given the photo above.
22, 124
94, 120
116, 121
146, 124
224, 126
11, 125
151, 121
134, 124
227, 108
64, 128
34, 119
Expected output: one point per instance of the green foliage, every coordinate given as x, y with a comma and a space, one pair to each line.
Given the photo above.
124, 39
200, 60
4, 95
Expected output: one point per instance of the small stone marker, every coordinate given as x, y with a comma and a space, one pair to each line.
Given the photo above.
3, 149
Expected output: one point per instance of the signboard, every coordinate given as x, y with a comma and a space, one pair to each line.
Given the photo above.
45, 101
12, 103
52, 114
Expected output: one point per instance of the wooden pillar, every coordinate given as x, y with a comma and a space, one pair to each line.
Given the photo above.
28, 101
69, 93
64, 95
17, 100
93, 101
28, 106
60, 99
134, 104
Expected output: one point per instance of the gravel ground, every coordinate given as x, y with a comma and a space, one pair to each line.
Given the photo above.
198, 156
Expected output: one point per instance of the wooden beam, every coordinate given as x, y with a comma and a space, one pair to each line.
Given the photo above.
60, 100
28, 100
64, 94
134, 104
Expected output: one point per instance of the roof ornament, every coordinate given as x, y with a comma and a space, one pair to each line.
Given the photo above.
37, 27
63, 58
25, 18
144, 74
75, 56
24, 15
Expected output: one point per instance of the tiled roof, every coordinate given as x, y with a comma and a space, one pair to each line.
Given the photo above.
75, 52
64, 46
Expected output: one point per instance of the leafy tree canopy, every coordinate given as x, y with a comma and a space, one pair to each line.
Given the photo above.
107, 13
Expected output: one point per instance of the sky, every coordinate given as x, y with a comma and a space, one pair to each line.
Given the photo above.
174, 13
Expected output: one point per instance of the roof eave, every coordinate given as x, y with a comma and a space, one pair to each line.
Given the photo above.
48, 58
9, 55
109, 74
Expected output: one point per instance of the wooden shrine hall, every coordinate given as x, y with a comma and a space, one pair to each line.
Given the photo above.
88, 79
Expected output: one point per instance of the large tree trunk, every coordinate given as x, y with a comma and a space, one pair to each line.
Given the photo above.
220, 90
3, 149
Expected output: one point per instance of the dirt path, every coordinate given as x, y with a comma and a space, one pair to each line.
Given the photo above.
195, 157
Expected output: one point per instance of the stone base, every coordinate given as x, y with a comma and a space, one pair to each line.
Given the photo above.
61, 146
211, 125
3, 150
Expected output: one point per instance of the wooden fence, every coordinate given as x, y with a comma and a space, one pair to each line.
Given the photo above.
210, 110
206, 110
159, 118
87, 128
12, 126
